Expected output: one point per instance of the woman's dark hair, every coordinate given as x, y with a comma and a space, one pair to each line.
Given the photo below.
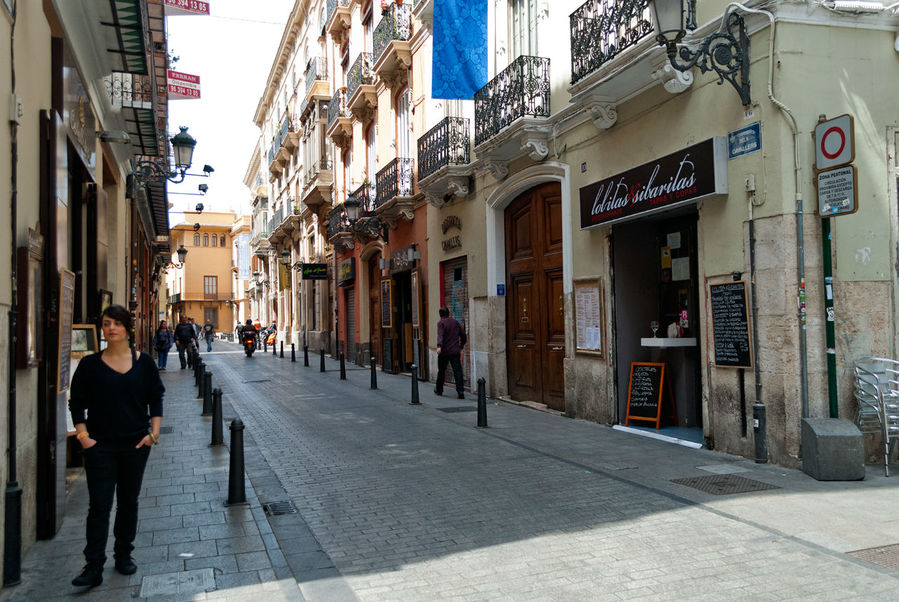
118, 313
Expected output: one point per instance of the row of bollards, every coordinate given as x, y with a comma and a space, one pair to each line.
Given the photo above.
212, 406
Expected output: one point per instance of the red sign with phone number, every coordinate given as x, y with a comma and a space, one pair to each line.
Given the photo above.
186, 7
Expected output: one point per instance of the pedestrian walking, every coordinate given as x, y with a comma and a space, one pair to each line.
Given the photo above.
162, 342
116, 406
197, 332
208, 334
451, 339
185, 342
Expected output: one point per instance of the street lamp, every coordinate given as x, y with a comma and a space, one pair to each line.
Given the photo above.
726, 52
183, 145
285, 257
352, 209
182, 255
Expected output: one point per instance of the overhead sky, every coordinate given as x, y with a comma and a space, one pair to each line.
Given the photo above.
232, 51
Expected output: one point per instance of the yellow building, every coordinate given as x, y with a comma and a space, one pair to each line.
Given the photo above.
201, 287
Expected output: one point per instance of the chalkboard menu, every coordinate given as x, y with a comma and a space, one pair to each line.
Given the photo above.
66, 307
644, 393
730, 322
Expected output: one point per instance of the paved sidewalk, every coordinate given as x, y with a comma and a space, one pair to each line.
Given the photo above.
189, 544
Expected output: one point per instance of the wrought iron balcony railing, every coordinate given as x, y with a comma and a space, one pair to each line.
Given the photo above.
447, 143
285, 127
316, 70
394, 180
277, 218
271, 154
337, 221
602, 29
332, 6
337, 107
520, 89
366, 195
312, 171
395, 25
129, 90
360, 73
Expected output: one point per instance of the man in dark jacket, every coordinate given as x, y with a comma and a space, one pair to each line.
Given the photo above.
450, 340
185, 341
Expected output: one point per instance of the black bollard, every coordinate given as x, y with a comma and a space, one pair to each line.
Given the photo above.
322, 364
415, 401
342, 367
374, 374
265, 345
207, 394
306, 355
236, 490
274, 349
293, 352
482, 403
282, 349
200, 380
217, 417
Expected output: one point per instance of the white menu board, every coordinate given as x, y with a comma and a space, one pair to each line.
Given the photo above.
588, 314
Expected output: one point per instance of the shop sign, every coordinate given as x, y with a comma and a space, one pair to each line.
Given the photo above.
402, 260
186, 7
183, 85
744, 141
677, 179
315, 271
346, 272
453, 242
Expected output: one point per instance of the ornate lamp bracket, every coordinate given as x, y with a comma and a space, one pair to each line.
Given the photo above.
726, 52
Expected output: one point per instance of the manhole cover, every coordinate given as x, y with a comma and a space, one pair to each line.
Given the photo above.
277, 508
886, 556
724, 484
458, 409
166, 430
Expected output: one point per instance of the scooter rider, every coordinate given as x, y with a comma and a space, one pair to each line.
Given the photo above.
248, 331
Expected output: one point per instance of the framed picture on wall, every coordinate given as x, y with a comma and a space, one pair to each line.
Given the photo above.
588, 311
84, 338
105, 299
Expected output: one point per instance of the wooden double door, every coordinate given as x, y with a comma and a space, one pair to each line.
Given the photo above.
535, 302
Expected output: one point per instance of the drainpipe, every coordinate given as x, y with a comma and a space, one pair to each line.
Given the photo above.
12, 525
797, 173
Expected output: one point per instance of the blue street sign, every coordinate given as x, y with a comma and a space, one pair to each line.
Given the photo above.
501, 290
744, 141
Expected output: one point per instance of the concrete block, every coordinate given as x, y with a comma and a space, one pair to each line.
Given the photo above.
832, 449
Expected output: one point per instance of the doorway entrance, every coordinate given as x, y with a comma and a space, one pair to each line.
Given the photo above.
656, 283
535, 308
374, 307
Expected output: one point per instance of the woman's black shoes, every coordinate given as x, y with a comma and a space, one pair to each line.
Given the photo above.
91, 576
125, 565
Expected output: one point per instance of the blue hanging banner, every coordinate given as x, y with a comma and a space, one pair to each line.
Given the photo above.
460, 48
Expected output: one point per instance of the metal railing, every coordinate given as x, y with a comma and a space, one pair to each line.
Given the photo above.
337, 107
277, 218
366, 195
602, 29
395, 25
316, 70
394, 180
447, 143
332, 6
312, 171
129, 90
337, 221
520, 89
360, 73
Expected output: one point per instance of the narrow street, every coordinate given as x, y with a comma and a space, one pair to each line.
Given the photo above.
416, 503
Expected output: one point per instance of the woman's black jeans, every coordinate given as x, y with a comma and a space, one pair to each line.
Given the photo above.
113, 467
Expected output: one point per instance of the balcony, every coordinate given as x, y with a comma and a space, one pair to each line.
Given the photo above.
362, 96
340, 120
285, 222
340, 233
338, 20
392, 49
202, 296
316, 83
443, 160
511, 114
394, 191
290, 135
614, 56
317, 182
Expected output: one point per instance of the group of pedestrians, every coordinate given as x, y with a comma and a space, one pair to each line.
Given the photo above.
186, 339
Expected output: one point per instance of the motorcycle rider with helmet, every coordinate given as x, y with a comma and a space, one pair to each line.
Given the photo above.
248, 338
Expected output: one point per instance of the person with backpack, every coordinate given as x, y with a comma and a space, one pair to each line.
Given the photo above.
451, 339
186, 342
162, 342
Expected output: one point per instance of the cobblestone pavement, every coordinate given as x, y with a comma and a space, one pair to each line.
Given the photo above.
403, 502
414, 503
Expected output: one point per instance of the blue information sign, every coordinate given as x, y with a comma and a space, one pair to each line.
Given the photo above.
744, 141
501, 290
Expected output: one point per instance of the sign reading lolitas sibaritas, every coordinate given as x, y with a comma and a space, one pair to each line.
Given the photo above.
677, 179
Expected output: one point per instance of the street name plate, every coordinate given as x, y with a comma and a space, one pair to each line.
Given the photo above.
837, 191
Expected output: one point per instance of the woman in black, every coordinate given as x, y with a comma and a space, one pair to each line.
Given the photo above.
116, 405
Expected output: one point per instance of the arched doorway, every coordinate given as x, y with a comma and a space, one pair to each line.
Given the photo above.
535, 304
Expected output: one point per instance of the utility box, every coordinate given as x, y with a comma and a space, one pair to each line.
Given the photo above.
833, 449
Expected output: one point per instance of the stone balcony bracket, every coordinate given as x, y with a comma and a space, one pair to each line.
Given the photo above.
672, 80
343, 241
498, 169
449, 183
602, 114
535, 142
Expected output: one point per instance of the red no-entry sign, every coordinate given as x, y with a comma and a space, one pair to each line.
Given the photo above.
834, 142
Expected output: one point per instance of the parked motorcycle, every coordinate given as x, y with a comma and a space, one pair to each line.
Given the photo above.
249, 342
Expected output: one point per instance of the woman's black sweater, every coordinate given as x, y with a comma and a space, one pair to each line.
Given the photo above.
115, 405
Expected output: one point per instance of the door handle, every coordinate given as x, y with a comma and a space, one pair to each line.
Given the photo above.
558, 349
521, 346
